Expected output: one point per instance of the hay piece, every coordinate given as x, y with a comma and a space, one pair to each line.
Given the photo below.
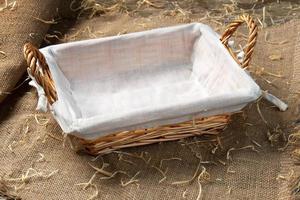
264, 17
184, 195
296, 187
204, 176
296, 153
168, 159
12, 146
94, 8
50, 36
221, 161
16, 87
200, 189
289, 177
149, 3
141, 156
163, 173
274, 43
95, 195
72, 143
272, 74
256, 143
46, 21
41, 122
275, 57
96, 158
230, 171
209, 162
114, 174
9, 5
101, 170
190, 180
25, 178
273, 138
213, 151
120, 157
54, 137
3, 54
294, 137
251, 147
90, 184
260, 22
259, 112
220, 142
87, 30
229, 190
131, 181
41, 158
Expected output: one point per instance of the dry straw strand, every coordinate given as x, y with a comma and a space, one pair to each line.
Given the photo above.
114, 174
3, 54
163, 173
256, 143
121, 158
204, 176
168, 159
30, 174
41, 158
9, 5
190, 180
90, 184
251, 147
41, 122
184, 194
260, 114
131, 181
101, 170
274, 43
46, 21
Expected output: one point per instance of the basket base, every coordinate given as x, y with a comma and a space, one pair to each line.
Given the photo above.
203, 126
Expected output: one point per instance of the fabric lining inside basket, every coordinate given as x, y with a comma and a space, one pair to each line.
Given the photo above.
119, 82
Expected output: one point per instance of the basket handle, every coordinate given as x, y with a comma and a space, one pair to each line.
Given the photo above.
231, 28
38, 68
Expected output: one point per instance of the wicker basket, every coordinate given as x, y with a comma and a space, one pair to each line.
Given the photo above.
212, 125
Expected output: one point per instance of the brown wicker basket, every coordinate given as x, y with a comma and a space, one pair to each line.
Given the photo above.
208, 125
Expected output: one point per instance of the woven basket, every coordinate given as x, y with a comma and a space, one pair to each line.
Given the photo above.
213, 125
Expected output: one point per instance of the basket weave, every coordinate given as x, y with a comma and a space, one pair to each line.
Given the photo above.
38, 68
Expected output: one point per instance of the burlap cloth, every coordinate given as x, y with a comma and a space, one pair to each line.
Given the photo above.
27, 21
34, 140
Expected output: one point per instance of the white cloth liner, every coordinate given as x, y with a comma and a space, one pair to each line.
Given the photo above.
145, 79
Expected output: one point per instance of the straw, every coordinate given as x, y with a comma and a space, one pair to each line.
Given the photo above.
251, 147
168, 159
190, 180
9, 5
90, 184
29, 175
46, 21
131, 181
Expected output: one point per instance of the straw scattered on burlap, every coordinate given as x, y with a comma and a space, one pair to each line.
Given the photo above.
196, 168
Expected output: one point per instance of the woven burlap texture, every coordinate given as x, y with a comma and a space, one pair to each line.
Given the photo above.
18, 26
34, 140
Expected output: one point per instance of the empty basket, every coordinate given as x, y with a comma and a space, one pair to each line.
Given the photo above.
142, 88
